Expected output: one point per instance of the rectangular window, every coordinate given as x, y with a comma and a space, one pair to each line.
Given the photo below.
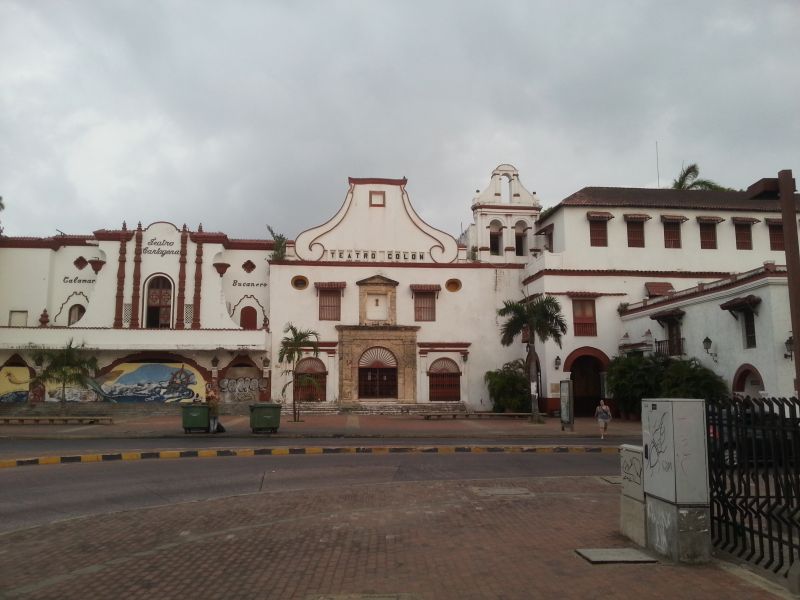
583, 317
749, 325
519, 244
424, 306
330, 305
598, 233
708, 236
744, 236
776, 237
635, 234
672, 234
377, 198
18, 318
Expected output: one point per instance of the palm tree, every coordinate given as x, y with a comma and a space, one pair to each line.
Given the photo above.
688, 180
542, 318
292, 346
70, 365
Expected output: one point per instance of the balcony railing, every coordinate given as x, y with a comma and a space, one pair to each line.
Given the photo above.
673, 347
584, 328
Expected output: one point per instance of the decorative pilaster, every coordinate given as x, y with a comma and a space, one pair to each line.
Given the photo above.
182, 280
137, 278
123, 240
198, 281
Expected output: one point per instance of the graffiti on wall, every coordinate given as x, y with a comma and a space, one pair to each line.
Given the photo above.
14, 383
241, 389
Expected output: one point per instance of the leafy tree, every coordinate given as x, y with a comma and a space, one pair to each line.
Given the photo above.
690, 379
688, 180
70, 365
631, 378
279, 248
291, 351
508, 387
541, 317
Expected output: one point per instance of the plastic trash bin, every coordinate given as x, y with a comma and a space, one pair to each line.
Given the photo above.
196, 418
265, 416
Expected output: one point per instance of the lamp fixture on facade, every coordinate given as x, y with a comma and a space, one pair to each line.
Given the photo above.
557, 363
215, 361
789, 346
707, 348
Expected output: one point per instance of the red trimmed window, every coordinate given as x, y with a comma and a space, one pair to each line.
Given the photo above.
744, 236
708, 236
583, 317
749, 324
330, 305
672, 234
776, 237
635, 234
598, 233
424, 306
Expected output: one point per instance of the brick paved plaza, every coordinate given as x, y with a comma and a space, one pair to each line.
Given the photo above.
444, 540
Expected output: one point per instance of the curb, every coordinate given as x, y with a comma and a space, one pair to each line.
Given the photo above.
309, 450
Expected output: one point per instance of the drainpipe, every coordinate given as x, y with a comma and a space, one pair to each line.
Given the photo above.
786, 189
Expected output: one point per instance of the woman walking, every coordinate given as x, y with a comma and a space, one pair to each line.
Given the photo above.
603, 415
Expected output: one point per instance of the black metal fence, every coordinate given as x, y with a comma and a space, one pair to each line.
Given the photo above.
754, 472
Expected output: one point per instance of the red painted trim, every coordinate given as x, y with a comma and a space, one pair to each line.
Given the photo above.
577, 294
250, 244
586, 351
376, 180
624, 272
123, 241
137, 279
157, 357
204, 237
454, 345
741, 375
181, 299
198, 281
52, 243
415, 265
506, 207
664, 301
221, 267
111, 235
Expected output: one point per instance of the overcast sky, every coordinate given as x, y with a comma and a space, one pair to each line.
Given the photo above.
240, 114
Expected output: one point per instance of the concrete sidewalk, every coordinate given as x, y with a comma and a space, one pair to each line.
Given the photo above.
331, 426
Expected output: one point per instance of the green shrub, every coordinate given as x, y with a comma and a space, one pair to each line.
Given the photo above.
509, 388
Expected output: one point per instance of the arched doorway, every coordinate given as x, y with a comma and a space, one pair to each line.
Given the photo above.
310, 379
587, 367
748, 382
377, 374
444, 381
158, 313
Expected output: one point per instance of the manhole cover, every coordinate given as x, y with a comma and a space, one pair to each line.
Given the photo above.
500, 492
614, 555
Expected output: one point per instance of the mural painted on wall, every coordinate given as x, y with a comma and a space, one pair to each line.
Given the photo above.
151, 382
14, 384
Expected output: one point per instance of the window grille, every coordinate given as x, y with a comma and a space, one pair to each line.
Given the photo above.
672, 234
744, 236
330, 305
598, 233
583, 317
776, 237
708, 236
635, 234
424, 306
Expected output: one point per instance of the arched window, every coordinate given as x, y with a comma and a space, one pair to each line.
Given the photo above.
377, 374
444, 381
495, 238
248, 318
520, 238
158, 313
76, 312
310, 378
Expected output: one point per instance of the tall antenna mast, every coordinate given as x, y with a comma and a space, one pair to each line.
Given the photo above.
658, 172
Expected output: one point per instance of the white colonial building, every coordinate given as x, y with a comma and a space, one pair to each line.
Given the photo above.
407, 314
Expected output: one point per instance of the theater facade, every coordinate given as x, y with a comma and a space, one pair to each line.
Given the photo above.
406, 314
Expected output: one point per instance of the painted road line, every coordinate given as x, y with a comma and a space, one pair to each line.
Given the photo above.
307, 451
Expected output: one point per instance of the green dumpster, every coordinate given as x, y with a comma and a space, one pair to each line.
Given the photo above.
196, 418
265, 417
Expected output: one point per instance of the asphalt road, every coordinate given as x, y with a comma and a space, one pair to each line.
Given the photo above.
32, 496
